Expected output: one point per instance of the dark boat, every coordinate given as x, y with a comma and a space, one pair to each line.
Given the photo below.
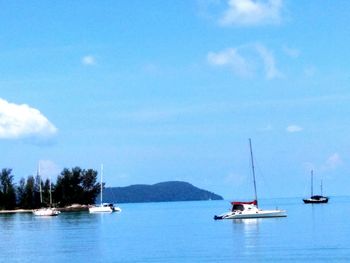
315, 199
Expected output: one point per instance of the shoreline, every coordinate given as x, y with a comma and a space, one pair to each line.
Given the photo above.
16, 211
71, 208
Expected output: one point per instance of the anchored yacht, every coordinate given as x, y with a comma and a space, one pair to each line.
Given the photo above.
241, 210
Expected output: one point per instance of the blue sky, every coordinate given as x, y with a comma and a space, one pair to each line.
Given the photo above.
172, 90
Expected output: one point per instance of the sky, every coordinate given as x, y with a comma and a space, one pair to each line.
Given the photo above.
172, 90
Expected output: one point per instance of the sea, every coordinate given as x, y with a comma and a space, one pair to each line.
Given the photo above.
181, 232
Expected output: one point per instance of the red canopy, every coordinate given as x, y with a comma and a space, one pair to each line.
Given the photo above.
255, 202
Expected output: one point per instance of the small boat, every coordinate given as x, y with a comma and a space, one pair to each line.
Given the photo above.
315, 199
103, 207
45, 211
48, 211
242, 210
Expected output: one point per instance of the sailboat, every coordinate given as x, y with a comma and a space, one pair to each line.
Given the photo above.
103, 207
315, 199
242, 210
45, 211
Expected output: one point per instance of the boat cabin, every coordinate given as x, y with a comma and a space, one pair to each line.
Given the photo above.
107, 205
240, 206
317, 197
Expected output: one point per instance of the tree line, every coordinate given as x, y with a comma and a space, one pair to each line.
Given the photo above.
73, 186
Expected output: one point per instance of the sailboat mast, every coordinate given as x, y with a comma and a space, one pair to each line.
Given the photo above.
312, 182
40, 190
50, 193
101, 181
253, 169
321, 188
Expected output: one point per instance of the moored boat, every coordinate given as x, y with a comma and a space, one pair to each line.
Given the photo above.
315, 199
49, 211
103, 207
45, 211
242, 210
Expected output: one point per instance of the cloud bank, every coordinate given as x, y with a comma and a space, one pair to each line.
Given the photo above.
21, 121
251, 13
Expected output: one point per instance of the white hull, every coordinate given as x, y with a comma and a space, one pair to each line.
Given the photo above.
104, 209
254, 214
46, 212
98, 209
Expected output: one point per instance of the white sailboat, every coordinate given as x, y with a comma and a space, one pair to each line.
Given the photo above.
45, 211
103, 207
242, 210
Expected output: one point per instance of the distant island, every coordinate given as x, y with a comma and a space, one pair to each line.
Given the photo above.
160, 192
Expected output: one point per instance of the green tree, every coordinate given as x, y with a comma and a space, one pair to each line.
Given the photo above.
27, 198
21, 192
38, 192
68, 189
46, 192
90, 188
76, 186
7, 189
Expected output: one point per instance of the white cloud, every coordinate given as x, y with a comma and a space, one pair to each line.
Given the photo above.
19, 121
230, 57
251, 12
243, 65
269, 62
333, 161
294, 128
88, 60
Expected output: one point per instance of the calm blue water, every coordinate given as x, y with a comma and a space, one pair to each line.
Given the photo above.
181, 232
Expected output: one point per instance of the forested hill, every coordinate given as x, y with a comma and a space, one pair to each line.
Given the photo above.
161, 192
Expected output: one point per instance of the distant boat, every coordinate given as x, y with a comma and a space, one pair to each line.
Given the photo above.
48, 211
242, 210
315, 199
45, 211
103, 207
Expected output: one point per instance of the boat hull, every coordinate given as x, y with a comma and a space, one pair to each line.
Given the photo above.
258, 214
46, 212
104, 209
312, 201
100, 210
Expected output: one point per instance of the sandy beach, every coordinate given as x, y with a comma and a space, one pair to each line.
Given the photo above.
15, 211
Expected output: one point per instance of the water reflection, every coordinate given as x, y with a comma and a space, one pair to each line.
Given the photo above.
247, 231
247, 221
